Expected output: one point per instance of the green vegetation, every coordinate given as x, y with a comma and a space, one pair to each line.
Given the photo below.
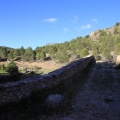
2, 68
32, 107
104, 43
12, 68
28, 54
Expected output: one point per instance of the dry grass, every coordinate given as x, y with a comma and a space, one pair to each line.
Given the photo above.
46, 66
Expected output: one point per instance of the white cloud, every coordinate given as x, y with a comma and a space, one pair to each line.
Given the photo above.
65, 30
86, 26
51, 20
94, 20
75, 18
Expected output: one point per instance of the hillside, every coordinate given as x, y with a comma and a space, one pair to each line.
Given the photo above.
107, 41
104, 44
113, 30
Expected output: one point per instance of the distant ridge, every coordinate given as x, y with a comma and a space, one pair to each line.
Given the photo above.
6, 47
104, 44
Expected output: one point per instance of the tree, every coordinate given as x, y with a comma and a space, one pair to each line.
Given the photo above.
38, 49
3, 53
12, 68
10, 55
62, 57
87, 36
102, 33
38, 55
83, 52
106, 52
42, 55
22, 50
53, 50
116, 30
2, 67
117, 24
17, 53
29, 54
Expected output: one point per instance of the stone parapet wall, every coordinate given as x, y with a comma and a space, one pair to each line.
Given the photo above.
15, 91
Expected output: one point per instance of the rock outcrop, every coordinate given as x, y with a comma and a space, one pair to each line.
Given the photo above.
118, 59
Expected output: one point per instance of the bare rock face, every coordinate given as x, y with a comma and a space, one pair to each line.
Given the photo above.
54, 101
118, 59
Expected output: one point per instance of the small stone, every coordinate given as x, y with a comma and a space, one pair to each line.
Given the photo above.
54, 100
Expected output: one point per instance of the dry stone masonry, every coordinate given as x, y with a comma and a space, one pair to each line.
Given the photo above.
15, 91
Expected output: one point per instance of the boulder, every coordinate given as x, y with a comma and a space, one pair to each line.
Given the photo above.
53, 101
118, 59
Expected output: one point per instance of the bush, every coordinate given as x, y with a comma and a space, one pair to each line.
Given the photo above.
116, 30
62, 57
12, 68
117, 24
83, 52
2, 67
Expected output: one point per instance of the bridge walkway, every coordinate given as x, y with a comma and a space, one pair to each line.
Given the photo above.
99, 97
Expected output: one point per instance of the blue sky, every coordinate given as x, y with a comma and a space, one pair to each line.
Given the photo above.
32, 23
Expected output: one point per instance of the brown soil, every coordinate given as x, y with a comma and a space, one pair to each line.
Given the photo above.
46, 66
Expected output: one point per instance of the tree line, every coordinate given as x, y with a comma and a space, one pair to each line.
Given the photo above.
107, 45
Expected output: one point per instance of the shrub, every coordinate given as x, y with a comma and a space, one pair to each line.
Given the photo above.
116, 30
62, 57
12, 68
2, 67
117, 24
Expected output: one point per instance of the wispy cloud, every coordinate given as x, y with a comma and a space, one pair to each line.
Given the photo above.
94, 20
51, 20
65, 30
86, 26
75, 18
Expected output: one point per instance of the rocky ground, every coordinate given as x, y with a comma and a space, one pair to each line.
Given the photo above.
97, 99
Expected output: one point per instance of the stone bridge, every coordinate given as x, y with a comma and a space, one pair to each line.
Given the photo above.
15, 91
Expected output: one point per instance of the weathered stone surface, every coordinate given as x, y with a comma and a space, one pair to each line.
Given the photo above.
54, 101
66, 118
14, 91
118, 59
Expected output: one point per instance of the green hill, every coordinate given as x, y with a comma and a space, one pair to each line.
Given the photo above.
103, 44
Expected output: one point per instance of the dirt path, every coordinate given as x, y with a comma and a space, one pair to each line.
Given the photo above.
99, 98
